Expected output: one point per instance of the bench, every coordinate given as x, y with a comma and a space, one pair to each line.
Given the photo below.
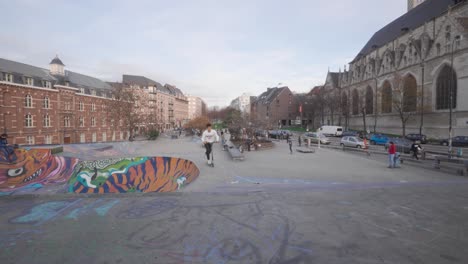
438, 159
305, 150
233, 151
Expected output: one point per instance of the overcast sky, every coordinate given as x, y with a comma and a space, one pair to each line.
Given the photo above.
215, 49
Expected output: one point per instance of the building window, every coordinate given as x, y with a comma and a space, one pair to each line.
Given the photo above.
93, 107
410, 99
81, 106
67, 106
66, 121
386, 98
93, 121
81, 120
46, 84
28, 121
46, 122
113, 135
29, 81
82, 138
104, 136
82, 90
121, 135
28, 101
94, 137
93, 92
30, 140
48, 139
104, 123
46, 103
8, 77
447, 78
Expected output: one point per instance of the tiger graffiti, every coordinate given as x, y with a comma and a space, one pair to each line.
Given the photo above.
36, 167
139, 174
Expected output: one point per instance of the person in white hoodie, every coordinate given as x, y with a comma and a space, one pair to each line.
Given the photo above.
209, 137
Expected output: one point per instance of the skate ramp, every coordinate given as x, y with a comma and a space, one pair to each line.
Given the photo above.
35, 167
139, 174
38, 171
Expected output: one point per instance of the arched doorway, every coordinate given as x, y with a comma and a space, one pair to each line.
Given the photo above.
369, 100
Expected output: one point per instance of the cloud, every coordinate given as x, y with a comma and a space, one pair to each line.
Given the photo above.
213, 49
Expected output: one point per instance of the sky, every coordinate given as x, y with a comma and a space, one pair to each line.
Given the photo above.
215, 49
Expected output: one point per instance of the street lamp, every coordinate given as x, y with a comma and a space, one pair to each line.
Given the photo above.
456, 38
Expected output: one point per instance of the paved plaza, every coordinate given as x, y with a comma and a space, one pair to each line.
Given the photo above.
273, 207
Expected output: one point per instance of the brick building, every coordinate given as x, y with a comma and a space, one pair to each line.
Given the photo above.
275, 107
196, 107
54, 106
166, 102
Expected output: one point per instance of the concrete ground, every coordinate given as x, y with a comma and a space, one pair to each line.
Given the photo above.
274, 207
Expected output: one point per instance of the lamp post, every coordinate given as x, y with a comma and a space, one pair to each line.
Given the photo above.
456, 38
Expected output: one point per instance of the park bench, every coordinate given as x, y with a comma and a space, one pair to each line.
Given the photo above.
233, 151
453, 160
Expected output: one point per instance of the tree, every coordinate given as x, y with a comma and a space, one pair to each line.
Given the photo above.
405, 98
126, 108
198, 123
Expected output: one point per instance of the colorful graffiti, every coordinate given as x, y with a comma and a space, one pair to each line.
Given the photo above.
140, 174
35, 167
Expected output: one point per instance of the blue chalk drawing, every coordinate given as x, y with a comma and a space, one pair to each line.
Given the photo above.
41, 213
102, 210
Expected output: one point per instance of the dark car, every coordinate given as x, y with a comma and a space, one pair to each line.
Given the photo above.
459, 141
417, 137
261, 133
359, 134
402, 145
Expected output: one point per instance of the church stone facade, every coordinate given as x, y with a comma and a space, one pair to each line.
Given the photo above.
408, 70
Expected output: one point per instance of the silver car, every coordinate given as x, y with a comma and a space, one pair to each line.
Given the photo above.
353, 142
314, 138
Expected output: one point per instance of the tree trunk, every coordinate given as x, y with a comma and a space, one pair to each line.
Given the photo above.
364, 122
403, 127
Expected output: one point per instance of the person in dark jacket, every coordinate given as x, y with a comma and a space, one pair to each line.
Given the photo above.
415, 148
7, 153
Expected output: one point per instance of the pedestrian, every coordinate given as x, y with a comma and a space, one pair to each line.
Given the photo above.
209, 137
223, 139
7, 153
415, 148
391, 155
287, 136
290, 146
249, 143
300, 140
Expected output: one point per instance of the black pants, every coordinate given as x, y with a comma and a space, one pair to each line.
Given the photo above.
415, 154
208, 147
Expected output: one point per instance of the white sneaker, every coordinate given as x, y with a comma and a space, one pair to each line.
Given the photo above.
209, 162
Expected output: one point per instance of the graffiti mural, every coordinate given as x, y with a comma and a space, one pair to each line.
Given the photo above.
139, 174
35, 167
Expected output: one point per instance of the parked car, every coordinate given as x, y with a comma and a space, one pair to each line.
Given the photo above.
279, 133
314, 138
458, 141
417, 137
402, 145
261, 133
331, 131
354, 142
359, 134
378, 139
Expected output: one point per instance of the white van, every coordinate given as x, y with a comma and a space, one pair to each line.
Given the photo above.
331, 131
